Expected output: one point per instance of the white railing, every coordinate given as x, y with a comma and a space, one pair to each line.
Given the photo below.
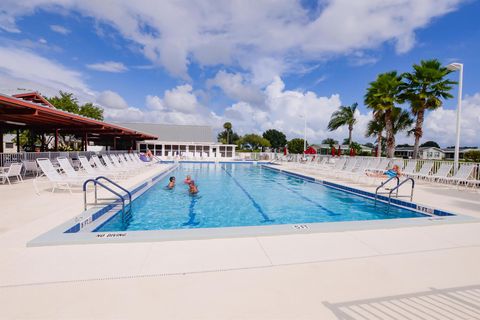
436, 163
7, 158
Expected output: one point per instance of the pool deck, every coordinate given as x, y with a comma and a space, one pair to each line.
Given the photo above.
298, 276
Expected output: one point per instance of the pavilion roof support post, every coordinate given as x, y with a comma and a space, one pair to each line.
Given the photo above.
1, 139
114, 143
18, 141
56, 139
85, 139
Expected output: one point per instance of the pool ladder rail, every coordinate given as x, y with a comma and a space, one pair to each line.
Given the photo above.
394, 191
126, 206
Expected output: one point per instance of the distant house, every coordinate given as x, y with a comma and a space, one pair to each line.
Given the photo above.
430, 153
9, 145
450, 152
326, 149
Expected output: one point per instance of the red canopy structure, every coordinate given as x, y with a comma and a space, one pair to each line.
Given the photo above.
310, 150
334, 151
33, 112
285, 151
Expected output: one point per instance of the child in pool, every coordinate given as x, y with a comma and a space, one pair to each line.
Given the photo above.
171, 183
192, 188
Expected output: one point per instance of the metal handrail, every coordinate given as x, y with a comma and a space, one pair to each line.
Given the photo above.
398, 186
384, 183
116, 185
120, 196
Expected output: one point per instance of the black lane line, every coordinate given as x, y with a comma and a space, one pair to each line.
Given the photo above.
191, 213
329, 212
255, 204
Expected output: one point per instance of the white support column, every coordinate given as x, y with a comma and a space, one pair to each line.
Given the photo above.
163, 150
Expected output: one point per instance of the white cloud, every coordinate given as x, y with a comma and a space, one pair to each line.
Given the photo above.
440, 124
181, 99
19, 64
59, 29
235, 87
108, 66
266, 39
112, 100
42, 41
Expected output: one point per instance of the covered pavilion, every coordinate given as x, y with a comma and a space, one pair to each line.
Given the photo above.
33, 112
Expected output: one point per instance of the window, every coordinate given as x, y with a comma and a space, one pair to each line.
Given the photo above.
8, 145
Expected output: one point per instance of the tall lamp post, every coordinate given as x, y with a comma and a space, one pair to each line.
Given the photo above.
454, 67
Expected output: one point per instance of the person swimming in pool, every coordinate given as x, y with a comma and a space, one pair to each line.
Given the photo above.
390, 173
171, 183
187, 180
192, 188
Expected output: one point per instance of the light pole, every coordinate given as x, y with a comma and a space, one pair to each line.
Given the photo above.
305, 130
454, 67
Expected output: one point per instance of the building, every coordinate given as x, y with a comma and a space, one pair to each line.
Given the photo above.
327, 149
9, 145
450, 152
181, 140
426, 153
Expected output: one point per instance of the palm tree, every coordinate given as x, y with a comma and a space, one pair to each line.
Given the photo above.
381, 96
228, 127
425, 88
401, 121
375, 127
342, 117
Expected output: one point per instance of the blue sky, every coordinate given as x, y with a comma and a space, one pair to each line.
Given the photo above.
263, 67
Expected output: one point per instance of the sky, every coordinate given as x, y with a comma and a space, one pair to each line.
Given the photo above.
259, 64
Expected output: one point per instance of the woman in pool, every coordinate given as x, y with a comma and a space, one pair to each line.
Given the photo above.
187, 180
192, 188
171, 183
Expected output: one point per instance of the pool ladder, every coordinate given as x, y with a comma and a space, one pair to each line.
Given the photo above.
395, 189
126, 206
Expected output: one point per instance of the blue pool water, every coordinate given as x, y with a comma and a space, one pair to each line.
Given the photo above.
233, 195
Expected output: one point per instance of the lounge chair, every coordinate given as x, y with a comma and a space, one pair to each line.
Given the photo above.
462, 175
424, 171
30, 166
57, 180
70, 171
410, 168
441, 173
14, 170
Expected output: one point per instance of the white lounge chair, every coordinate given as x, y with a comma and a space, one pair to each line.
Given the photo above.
14, 170
30, 166
57, 180
70, 171
441, 173
462, 175
410, 168
424, 171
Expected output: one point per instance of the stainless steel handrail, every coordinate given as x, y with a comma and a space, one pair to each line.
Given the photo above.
383, 184
398, 186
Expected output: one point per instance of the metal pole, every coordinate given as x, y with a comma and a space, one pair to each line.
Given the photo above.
459, 111
305, 130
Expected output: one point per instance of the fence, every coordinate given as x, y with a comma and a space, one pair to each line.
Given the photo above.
419, 163
7, 158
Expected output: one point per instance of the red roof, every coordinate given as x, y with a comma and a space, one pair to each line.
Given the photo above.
36, 113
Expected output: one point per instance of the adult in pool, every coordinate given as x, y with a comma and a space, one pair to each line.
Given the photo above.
171, 183
187, 180
192, 188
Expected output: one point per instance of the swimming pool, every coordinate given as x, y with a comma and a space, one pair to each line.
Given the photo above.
238, 195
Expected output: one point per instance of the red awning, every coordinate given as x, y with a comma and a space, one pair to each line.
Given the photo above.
310, 150
38, 114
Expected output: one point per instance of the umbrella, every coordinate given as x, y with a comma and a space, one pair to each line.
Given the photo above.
333, 151
285, 151
339, 152
352, 152
310, 150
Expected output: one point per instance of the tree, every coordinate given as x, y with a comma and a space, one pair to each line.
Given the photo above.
254, 141
66, 102
296, 145
405, 145
228, 128
375, 128
430, 144
233, 136
425, 88
345, 116
381, 96
91, 111
472, 155
330, 141
277, 139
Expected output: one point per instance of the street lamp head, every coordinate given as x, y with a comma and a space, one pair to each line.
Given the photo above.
454, 66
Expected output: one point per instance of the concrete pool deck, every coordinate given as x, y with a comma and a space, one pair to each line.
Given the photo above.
298, 276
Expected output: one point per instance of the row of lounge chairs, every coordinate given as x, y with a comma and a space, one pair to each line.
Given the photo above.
64, 176
357, 168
